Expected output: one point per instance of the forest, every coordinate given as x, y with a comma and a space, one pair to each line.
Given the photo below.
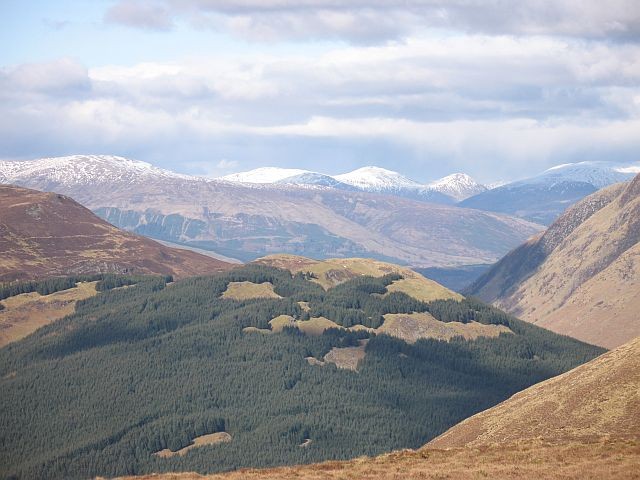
141, 369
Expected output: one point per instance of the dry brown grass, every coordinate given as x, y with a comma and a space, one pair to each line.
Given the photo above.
209, 439
601, 459
582, 277
249, 291
411, 327
597, 398
281, 321
335, 271
313, 326
24, 314
347, 358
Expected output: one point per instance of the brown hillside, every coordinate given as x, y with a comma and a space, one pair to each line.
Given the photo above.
46, 234
584, 424
582, 276
599, 398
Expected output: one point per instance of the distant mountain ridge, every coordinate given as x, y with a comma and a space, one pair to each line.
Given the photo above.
85, 169
447, 190
582, 276
249, 220
544, 197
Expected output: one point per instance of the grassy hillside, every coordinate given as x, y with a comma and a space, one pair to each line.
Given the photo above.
582, 276
136, 371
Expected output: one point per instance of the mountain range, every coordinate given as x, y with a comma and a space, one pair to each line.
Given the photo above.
581, 277
370, 212
541, 198
248, 220
447, 190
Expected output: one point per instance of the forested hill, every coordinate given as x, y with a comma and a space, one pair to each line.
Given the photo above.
291, 372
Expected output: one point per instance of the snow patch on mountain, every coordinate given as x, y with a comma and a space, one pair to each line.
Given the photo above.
84, 170
263, 175
316, 180
458, 186
598, 174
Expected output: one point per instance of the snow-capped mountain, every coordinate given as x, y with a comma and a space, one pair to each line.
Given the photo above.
83, 170
263, 175
376, 179
544, 197
381, 180
458, 186
315, 179
246, 220
598, 174
367, 179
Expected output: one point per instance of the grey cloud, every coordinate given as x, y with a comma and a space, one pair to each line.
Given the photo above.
140, 14
378, 20
59, 78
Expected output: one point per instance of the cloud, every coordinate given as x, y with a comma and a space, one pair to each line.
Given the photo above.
370, 21
140, 14
499, 104
62, 77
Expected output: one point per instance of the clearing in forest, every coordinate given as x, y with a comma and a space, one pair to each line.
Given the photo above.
249, 290
25, 313
210, 439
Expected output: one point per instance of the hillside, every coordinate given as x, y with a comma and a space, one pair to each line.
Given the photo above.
582, 276
583, 424
265, 368
247, 221
46, 234
601, 398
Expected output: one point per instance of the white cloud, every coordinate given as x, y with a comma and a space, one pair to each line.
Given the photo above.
510, 102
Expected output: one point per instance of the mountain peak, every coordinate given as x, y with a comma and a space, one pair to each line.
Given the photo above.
377, 179
458, 186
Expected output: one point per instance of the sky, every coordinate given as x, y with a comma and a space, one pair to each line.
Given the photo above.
497, 89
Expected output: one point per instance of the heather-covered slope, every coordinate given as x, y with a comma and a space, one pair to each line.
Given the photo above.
582, 276
46, 234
